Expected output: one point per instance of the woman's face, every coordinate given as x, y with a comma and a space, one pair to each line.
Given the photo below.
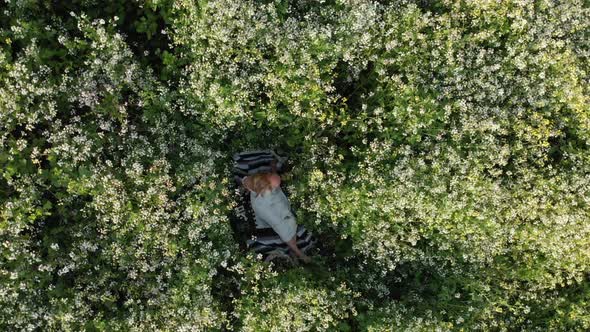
275, 180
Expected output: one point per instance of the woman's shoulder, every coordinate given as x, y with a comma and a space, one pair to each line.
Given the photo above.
265, 194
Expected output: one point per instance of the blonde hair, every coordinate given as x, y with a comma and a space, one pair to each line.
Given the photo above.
257, 183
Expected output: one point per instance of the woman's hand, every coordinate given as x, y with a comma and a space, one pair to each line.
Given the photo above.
293, 245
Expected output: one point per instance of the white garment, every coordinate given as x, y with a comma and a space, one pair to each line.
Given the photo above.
272, 208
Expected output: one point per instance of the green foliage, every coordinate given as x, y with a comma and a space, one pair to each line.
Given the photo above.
295, 300
440, 152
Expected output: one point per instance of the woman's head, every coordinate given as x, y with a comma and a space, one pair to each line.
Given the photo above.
261, 182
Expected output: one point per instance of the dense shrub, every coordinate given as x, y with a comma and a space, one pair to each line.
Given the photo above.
440, 150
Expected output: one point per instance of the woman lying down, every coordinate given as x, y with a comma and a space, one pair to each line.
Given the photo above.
273, 212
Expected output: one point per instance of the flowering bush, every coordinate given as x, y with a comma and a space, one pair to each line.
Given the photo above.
439, 149
295, 301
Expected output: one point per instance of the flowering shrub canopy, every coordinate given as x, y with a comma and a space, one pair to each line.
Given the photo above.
440, 149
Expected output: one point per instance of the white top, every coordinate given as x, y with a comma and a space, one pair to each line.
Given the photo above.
272, 209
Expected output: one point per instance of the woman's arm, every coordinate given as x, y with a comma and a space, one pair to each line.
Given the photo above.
244, 183
293, 245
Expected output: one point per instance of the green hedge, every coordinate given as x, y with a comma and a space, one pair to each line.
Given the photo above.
440, 151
